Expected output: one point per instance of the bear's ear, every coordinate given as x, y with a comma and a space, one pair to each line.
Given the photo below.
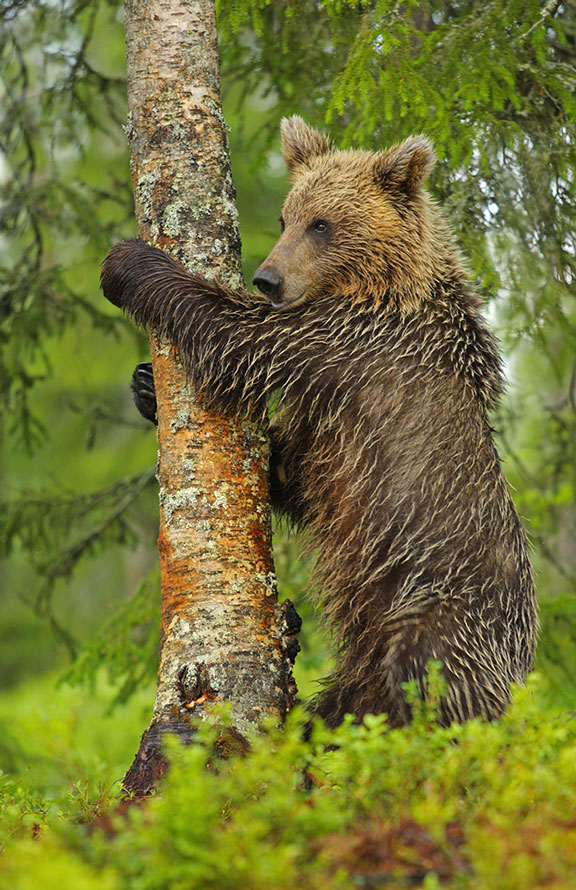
301, 143
404, 167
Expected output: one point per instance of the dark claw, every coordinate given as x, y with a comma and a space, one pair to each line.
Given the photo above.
144, 392
291, 617
290, 626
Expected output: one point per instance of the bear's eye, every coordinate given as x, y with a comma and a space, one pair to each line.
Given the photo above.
281, 221
320, 227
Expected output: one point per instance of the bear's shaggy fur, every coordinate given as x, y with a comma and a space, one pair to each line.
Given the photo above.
381, 445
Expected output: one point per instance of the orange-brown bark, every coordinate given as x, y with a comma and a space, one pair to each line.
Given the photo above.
223, 633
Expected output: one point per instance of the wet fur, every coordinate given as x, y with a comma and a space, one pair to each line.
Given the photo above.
381, 444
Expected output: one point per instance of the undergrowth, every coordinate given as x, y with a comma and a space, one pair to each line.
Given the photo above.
480, 806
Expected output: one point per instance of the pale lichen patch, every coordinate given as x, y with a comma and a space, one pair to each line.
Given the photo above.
188, 469
268, 582
179, 628
221, 498
172, 218
145, 189
164, 348
182, 499
180, 420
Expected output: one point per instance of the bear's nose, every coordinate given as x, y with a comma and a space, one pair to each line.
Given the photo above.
268, 280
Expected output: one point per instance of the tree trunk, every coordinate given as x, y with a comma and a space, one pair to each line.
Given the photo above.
223, 637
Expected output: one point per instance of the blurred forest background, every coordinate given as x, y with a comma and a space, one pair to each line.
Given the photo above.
494, 86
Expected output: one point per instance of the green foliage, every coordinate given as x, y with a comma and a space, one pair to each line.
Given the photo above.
59, 530
62, 751
64, 191
127, 646
57, 112
481, 807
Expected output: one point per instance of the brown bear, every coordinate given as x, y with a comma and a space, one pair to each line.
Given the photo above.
384, 374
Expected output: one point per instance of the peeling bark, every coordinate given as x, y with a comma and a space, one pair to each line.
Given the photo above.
224, 636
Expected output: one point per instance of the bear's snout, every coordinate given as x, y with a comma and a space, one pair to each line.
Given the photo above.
268, 280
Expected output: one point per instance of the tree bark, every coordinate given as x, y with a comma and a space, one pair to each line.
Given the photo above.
223, 635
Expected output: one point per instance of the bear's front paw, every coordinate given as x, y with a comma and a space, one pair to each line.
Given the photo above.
144, 391
123, 269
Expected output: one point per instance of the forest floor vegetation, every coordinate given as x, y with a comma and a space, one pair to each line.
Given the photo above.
480, 806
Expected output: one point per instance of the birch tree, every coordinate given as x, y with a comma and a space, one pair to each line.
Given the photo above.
223, 634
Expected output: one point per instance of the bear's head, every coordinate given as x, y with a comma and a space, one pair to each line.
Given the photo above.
356, 224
